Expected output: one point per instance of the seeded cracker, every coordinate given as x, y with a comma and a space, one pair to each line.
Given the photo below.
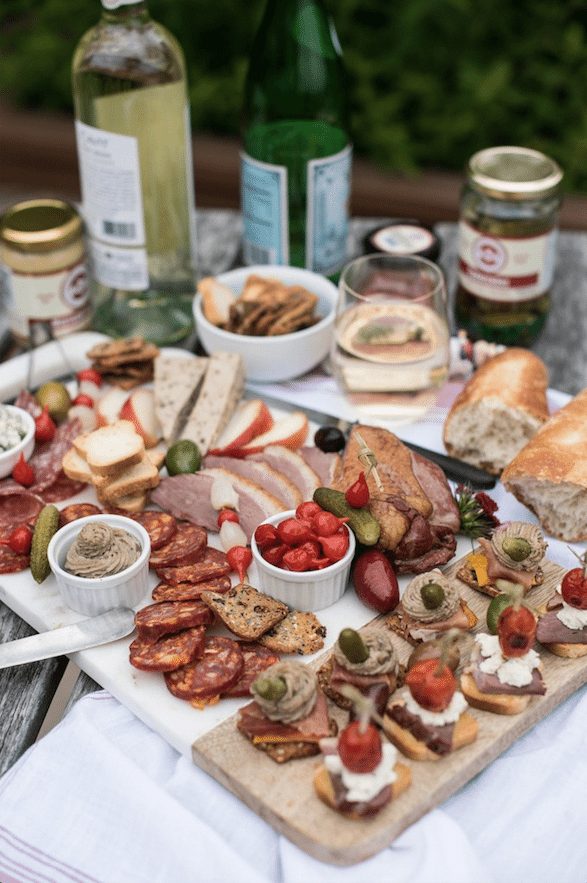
245, 611
301, 633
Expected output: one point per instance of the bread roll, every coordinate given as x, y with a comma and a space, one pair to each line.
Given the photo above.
498, 411
549, 475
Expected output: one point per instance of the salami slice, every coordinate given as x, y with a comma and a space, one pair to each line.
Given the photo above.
63, 488
215, 672
168, 653
77, 510
160, 526
11, 562
185, 547
28, 403
189, 591
171, 617
212, 565
46, 461
257, 660
19, 508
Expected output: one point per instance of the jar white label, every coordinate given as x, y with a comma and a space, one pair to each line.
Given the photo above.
402, 239
61, 298
506, 269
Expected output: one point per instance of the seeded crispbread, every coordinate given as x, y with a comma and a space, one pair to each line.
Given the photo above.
246, 612
301, 633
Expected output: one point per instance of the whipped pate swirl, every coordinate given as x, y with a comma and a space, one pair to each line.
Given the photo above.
300, 692
382, 658
413, 603
100, 550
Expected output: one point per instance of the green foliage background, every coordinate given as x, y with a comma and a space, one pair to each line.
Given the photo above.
431, 81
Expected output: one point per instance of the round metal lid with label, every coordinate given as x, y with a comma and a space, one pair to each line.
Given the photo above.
404, 237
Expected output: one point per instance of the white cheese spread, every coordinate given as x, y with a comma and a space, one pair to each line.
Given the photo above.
515, 671
365, 786
12, 429
450, 715
572, 617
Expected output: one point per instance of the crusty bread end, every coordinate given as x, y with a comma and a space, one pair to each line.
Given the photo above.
465, 732
325, 791
498, 703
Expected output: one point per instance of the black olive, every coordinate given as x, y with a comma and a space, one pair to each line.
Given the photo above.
329, 439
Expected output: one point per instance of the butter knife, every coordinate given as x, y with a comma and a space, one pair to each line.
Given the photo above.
81, 635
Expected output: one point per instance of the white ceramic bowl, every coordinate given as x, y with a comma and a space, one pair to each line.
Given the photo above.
309, 590
286, 355
9, 459
94, 596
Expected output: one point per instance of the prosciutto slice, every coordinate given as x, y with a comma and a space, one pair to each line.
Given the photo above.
253, 723
497, 570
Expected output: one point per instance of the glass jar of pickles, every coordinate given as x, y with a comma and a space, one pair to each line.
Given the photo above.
507, 244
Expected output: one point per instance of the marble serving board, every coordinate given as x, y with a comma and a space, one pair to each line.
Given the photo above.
284, 795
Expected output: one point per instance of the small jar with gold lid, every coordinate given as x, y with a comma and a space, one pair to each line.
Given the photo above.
507, 244
44, 267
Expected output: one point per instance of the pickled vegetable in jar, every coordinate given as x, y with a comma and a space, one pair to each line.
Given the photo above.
507, 244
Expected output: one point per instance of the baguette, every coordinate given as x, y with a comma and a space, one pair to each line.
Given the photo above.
135, 479
464, 733
549, 475
325, 790
498, 703
111, 449
498, 411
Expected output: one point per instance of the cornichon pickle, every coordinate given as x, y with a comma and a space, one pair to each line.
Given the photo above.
353, 646
366, 528
45, 526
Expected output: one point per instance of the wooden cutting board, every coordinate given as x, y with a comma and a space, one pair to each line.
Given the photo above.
284, 795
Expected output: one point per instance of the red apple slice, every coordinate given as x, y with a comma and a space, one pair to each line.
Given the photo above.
109, 406
290, 432
139, 408
252, 418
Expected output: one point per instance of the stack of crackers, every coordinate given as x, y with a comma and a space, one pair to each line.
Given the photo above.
126, 362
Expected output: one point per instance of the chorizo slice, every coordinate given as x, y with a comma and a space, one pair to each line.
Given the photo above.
190, 591
160, 526
186, 546
171, 617
168, 653
77, 510
213, 564
216, 671
257, 660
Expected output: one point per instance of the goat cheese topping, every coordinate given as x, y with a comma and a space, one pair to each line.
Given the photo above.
515, 671
365, 786
450, 715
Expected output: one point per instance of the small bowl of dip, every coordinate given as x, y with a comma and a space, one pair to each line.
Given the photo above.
17, 436
101, 562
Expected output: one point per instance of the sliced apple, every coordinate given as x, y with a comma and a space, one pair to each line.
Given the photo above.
290, 432
139, 408
109, 406
252, 418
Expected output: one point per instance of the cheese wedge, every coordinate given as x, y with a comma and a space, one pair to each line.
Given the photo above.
221, 391
177, 384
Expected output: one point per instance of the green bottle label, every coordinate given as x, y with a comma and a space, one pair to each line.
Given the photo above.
264, 203
329, 181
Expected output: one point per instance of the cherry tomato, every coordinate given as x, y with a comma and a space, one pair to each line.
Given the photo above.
20, 540
375, 581
431, 685
516, 630
83, 399
44, 427
292, 532
240, 559
274, 554
307, 510
266, 535
325, 524
320, 563
91, 375
23, 473
360, 752
357, 495
312, 547
574, 587
227, 515
296, 560
335, 547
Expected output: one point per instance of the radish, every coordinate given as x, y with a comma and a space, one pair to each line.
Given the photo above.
251, 419
290, 432
108, 407
139, 408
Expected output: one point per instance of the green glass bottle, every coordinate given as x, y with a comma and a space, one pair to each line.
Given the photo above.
296, 164
134, 148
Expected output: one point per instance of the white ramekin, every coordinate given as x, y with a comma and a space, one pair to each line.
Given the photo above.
94, 596
311, 589
9, 459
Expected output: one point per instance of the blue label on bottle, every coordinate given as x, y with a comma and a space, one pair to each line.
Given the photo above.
329, 181
264, 205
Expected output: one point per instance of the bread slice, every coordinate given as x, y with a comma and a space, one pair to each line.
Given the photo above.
111, 449
501, 407
498, 703
75, 467
135, 479
133, 502
298, 633
549, 475
282, 752
246, 612
177, 382
217, 300
568, 651
221, 391
465, 732
467, 575
325, 791
156, 457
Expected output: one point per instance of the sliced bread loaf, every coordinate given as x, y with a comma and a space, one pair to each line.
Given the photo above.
111, 449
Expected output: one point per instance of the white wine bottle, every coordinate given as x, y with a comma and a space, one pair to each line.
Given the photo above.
134, 149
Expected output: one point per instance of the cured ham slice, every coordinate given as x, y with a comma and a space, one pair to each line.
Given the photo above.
497, 570
292, 465
253, 723
274, 482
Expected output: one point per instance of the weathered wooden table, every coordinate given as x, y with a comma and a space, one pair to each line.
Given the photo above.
26, 691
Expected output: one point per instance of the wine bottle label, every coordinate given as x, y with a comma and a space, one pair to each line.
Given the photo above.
265, 215
328, 182
505, 269
113, 206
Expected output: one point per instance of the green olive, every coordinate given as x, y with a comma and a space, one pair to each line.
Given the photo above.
272, 689
516, 548
353, 646
55, 396
432, 596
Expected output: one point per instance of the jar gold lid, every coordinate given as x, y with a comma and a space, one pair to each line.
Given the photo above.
514, 173
40, 225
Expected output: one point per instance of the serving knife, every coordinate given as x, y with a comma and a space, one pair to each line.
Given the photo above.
455, 470
81, 635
